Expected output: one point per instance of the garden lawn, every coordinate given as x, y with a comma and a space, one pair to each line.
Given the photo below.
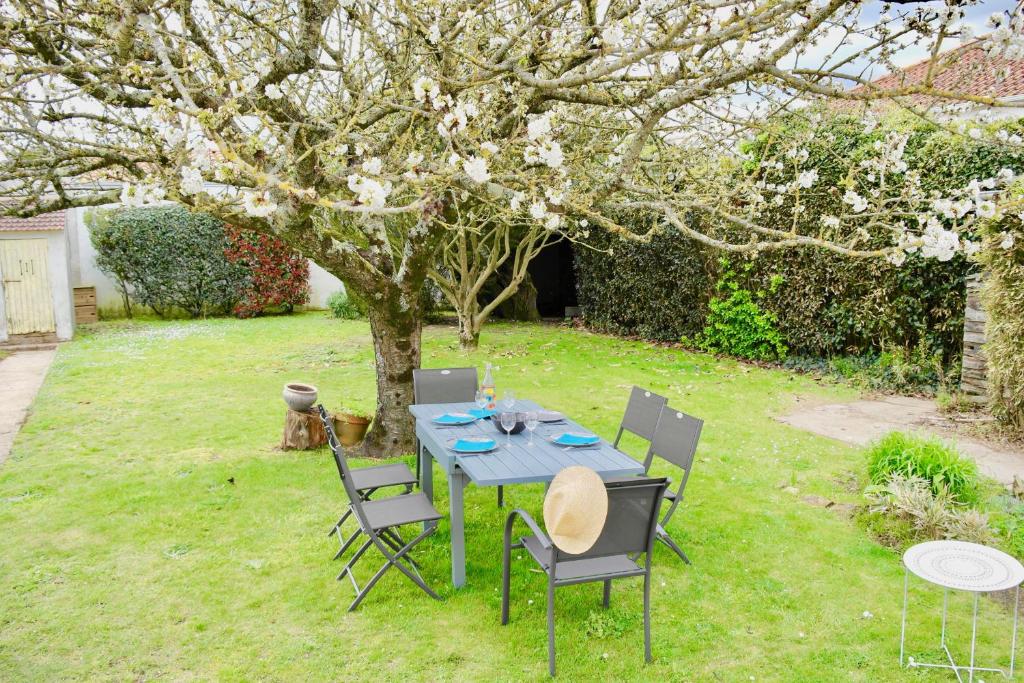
151, 529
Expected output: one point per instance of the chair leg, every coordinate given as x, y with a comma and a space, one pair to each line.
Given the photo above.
647, 616
501, 496
337, 527
551, 627
346, 545
667, 540
394, 562
347, 569
506, 582
607, 593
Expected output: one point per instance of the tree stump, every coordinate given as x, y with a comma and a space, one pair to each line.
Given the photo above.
303, 431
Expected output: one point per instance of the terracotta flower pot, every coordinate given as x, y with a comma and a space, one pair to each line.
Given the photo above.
350, 428
299, 397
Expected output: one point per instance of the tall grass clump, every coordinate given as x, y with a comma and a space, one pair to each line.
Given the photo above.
933, 461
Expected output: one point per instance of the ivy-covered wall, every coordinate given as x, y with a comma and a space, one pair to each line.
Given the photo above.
826, 304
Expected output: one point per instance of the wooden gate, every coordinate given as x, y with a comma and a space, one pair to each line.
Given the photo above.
26, 284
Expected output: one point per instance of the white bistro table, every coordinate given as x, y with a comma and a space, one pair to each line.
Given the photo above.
956, 565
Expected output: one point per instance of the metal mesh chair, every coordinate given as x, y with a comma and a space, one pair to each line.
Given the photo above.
628, 533
379, 521
445, 385
641, 416
675, 440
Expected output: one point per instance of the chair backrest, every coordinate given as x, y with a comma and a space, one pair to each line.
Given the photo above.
642, 411
632, 518
444, 385
675, 439
343, 469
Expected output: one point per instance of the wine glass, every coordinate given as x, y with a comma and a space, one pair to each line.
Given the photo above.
508, 400
508, 423
482, 399
532, 420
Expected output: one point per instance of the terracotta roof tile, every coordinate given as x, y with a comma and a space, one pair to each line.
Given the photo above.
965, 70
46, 221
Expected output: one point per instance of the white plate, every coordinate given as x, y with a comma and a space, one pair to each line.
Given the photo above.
550, 416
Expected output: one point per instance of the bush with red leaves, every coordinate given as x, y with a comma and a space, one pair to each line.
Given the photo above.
278, 275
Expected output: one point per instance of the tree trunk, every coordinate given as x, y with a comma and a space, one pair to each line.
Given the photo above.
469, 338
396, 345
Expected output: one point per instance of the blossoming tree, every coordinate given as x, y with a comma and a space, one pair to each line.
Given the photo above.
359, 132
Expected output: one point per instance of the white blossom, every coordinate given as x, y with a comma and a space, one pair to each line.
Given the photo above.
538, 126
434, 33
369, 191
191, 180
939, 243
258, 204
807, 178
986, 208
489, 148
856, 202
1007, 241
830, 221
373, 165
476, 168
273, 91
516, 200
425, 87
141, 194
538, 209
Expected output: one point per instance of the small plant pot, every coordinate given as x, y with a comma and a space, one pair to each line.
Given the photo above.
299, 397
350, 428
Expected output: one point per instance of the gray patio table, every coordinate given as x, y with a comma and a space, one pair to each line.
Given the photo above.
518, 464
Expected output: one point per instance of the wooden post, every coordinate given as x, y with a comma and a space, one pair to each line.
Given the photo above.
303, 431
973, 377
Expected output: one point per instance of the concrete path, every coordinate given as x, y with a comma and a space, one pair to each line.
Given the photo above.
21, 375
861, 422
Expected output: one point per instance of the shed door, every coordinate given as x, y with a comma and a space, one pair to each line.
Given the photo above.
26, 285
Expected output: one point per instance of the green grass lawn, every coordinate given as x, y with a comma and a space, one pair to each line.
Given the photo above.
150, 528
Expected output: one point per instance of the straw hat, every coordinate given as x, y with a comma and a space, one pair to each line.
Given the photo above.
575, 509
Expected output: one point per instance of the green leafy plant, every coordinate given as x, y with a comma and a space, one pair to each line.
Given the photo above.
930, 514
736, 325
343, 306
168, 259
906, 455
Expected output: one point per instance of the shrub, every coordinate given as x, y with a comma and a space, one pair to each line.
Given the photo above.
169, 258
905, 455
344, 307
1002, 296
828, 304
278, 276
930, 514
737, 326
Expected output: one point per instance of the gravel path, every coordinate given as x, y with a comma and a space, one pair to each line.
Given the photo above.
21, 375
861, 422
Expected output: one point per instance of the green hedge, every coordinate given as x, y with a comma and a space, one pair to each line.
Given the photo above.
1003, 300
826, 304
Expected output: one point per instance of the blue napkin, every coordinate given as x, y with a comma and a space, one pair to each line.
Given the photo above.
449, 419
570, 439
473, 445
481, 413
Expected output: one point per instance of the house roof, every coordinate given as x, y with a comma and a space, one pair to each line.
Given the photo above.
967, 70
46, 221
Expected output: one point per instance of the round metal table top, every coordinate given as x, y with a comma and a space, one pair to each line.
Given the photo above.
964, 566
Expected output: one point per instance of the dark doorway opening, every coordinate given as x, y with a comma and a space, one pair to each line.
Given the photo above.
554, 275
